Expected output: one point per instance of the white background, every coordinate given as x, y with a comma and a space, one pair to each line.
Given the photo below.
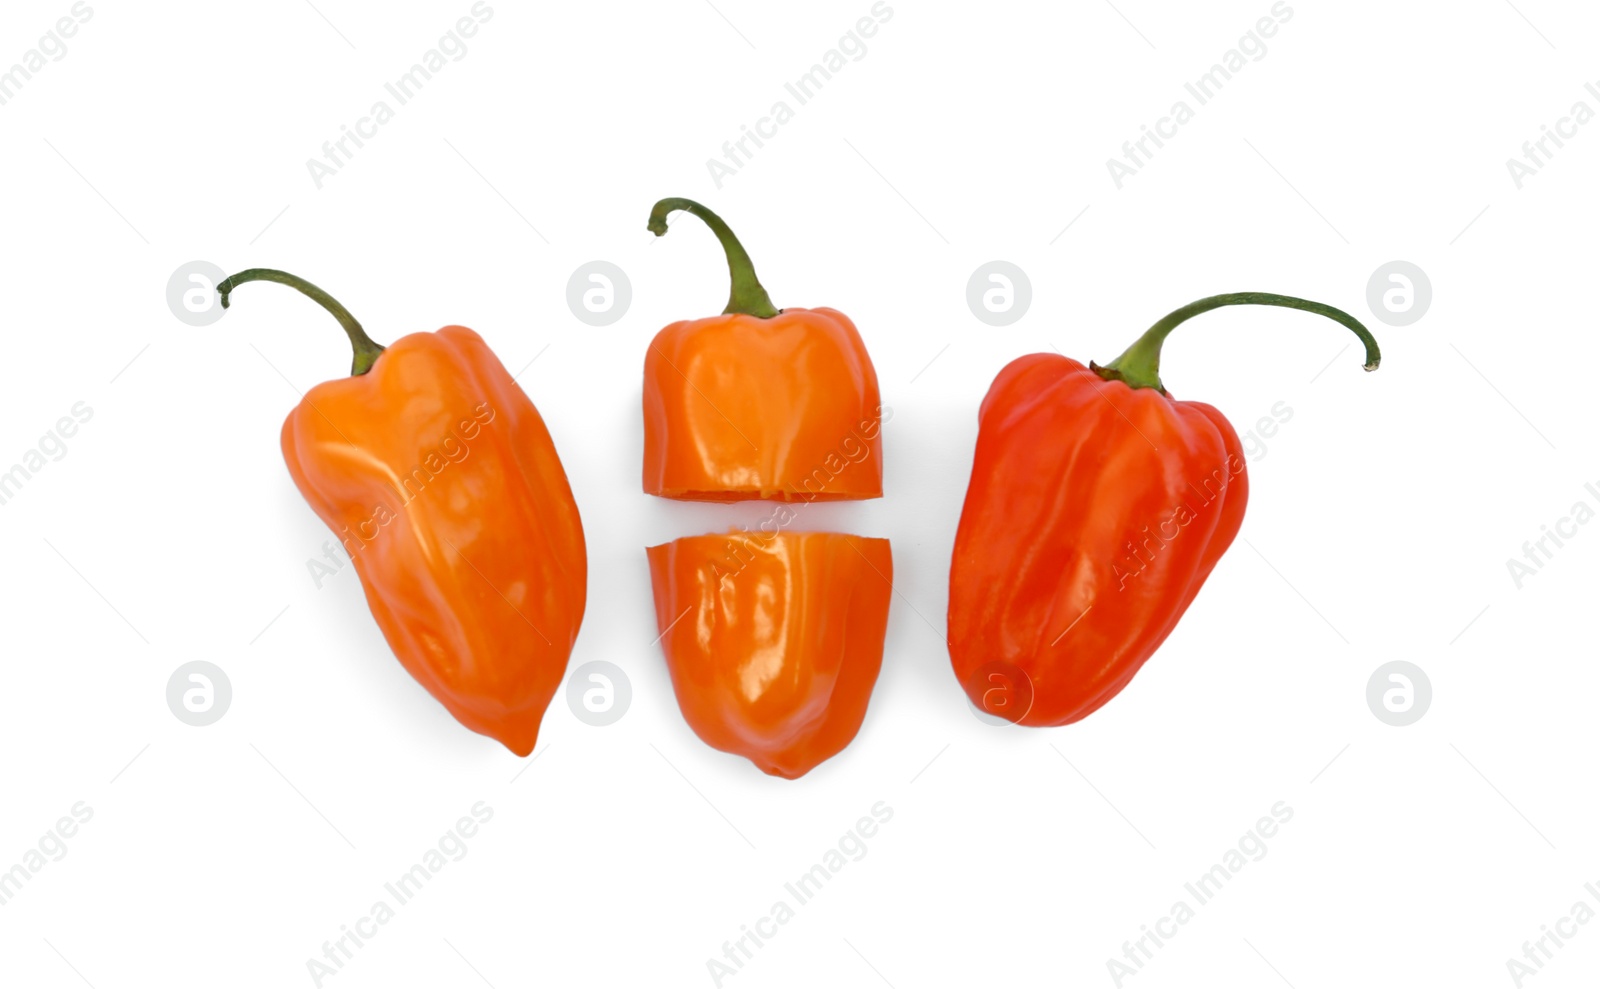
1381, 517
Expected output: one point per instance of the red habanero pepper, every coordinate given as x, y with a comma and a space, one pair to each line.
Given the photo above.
1098, 506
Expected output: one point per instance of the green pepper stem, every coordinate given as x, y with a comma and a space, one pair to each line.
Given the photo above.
366, 349
746, 296
1140, 364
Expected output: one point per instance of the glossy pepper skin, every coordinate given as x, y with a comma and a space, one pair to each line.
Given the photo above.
759, 402
773, 640
442, 482
1098, 507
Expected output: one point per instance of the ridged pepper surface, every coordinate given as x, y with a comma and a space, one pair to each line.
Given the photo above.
1097, 508
442, 482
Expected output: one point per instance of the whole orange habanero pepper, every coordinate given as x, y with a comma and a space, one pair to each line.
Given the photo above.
1098, 506
439, 477
774, 639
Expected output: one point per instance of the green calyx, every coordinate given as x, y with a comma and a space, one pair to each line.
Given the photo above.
746, 295
1140, 364
366, 349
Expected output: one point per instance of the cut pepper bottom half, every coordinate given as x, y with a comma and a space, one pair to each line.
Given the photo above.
773, 640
